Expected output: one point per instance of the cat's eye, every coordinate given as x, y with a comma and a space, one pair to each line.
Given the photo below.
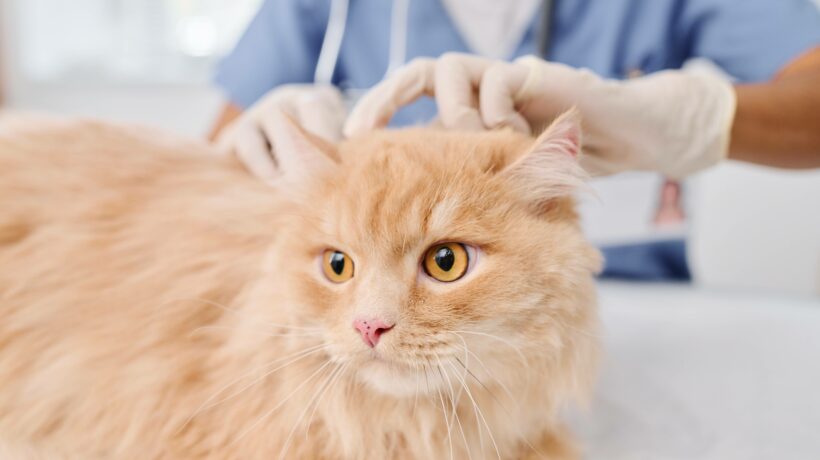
446, 262
337, 266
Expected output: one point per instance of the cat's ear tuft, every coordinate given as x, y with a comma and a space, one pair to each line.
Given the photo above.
298, 153
549, 169
563, 135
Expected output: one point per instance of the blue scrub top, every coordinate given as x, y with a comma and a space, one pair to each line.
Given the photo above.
749, 39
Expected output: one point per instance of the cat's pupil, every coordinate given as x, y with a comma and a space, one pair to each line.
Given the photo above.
337, 263
445, 258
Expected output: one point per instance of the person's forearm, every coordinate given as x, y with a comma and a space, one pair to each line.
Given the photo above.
778, 123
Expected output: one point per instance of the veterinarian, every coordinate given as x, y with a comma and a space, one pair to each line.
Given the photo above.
675, 122
519, 63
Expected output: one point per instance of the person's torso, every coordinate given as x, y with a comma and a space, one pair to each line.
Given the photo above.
615, 39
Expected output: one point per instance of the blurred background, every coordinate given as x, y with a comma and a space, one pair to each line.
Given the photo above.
151, 62
144, 61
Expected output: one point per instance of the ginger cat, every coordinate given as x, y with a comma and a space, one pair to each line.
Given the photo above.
413, 294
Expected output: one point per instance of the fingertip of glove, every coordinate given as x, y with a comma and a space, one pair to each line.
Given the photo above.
515, 122
353, 127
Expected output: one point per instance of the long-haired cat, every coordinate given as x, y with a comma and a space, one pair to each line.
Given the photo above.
412, 294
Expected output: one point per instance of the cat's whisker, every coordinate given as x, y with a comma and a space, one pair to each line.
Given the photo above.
462, 387
446, 421
492, 375
503, 408
443, 379
268, 334
481, 414
453, 403
466, 363
469, 352
240, 313
475, 413
506, 342
426, 378
291, 359
500, 339
339, 371
416, 396
461, 390
280, 404
492, 395
300, 354
443, 408
319, 390
484, 386
443, 376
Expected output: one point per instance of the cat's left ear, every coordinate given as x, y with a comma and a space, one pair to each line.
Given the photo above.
298, 153
549, 169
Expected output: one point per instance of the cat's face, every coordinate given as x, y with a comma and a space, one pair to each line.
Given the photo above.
413, 247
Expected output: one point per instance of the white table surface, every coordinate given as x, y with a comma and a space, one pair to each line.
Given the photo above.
696, 374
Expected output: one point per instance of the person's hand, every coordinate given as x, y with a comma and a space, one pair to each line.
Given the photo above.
318, 109
672, 122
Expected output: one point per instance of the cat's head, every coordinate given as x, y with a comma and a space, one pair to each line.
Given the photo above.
405, 249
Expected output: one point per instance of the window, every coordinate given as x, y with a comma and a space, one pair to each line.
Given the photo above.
124, 41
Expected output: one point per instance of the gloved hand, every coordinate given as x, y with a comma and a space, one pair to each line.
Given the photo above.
673, 122
318, 109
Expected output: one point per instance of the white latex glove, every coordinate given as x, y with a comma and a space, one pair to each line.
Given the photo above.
318, 109
673, 122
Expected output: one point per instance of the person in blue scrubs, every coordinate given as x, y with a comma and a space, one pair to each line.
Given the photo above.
750, 40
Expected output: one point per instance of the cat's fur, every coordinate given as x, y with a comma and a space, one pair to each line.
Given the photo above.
153, 298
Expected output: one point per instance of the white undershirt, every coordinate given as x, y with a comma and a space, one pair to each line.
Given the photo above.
492, 28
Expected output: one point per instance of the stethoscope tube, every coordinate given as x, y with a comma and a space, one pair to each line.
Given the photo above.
332, 42
334, 34
399, 20
545, 29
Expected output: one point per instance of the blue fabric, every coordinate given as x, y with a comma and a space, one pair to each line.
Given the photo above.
653, 261
281, 45
750, 39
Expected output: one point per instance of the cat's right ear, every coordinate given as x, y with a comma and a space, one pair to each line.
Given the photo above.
298, 154
549, 169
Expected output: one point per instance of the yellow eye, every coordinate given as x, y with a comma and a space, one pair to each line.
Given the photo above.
446, 262
337, 266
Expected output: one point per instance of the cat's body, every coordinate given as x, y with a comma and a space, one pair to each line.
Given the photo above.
159, 303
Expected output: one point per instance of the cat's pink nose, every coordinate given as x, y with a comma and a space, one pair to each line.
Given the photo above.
371, 329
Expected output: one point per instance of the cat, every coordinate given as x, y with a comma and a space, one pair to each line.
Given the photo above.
407, 294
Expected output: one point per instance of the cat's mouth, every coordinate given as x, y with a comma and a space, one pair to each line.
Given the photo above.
398, 376
375, 358
391, 377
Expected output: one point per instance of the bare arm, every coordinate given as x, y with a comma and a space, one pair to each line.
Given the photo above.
777, 123
229, 113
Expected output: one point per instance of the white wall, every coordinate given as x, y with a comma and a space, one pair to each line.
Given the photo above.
756, 228
185, 107
186, 110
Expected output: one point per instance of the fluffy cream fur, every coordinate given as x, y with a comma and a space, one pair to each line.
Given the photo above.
159, 303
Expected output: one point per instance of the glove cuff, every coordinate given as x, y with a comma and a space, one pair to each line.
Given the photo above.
718, 103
